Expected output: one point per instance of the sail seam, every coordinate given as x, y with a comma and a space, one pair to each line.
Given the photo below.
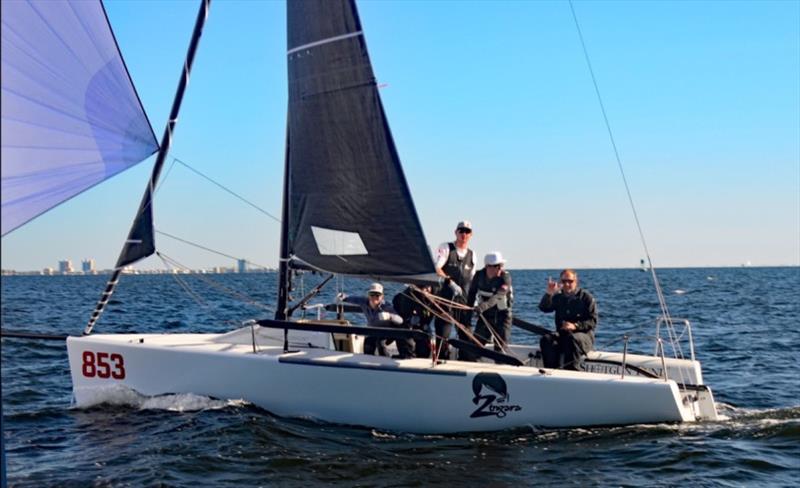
323, 41
343, 88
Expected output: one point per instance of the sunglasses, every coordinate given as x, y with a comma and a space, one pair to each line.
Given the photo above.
464, 231
568, 281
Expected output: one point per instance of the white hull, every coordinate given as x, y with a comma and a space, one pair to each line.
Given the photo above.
340, 387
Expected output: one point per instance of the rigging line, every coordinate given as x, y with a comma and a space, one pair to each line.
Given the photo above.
449, 303
662, 301
32, 335
183, 284
442, 313
208, 249
163, 180
230, 291
499, 341
276, 219
194, 295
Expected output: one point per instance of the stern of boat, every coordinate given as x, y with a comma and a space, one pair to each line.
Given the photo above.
701, 400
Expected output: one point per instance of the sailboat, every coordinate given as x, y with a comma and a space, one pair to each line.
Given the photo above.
344, 193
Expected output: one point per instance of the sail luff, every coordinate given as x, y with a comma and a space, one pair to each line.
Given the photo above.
127, 71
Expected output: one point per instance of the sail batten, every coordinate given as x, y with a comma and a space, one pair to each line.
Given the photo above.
71, 116
324, 41
349, 207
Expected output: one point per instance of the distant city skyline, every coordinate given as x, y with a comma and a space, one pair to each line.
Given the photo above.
495, 119
65, 267
238, 268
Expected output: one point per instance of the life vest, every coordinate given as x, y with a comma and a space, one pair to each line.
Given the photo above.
488, 288
459, 269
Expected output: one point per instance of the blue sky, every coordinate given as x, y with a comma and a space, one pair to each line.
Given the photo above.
496, 120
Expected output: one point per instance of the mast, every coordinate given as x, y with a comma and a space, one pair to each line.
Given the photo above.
141, 241
283, 260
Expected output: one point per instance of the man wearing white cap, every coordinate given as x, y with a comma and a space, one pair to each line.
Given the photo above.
491, 286
378, 314
455, 263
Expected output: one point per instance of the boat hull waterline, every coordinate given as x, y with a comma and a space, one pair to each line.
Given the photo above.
410, 395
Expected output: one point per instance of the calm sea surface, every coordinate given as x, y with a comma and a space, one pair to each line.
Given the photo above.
746, 328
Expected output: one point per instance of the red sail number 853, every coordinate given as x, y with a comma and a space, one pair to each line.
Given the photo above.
103, 365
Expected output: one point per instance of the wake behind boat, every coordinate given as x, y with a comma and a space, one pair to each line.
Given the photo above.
344, 192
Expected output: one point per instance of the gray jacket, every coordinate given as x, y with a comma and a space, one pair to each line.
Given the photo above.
383, 316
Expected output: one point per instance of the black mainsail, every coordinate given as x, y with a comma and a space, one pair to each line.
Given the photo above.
347, 206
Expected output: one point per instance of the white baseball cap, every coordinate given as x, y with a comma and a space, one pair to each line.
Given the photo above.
375, 288
494, 258
464, 224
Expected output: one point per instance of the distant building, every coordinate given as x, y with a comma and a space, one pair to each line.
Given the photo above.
48, 271
241, 266
65, 267
87, 266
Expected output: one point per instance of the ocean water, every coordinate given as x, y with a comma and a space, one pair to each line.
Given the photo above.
746, 325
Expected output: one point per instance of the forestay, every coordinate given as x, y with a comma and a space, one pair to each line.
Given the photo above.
71, 117
349, 209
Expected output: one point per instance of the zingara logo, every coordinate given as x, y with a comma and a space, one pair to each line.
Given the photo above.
491, 396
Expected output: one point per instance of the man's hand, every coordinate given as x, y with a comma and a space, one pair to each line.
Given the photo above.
569, 326
552, 287
340, 298
385, 316
457, 291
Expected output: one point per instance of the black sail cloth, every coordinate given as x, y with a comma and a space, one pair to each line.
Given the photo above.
349, 206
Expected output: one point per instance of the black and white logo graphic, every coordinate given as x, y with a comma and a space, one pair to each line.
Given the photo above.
491, 396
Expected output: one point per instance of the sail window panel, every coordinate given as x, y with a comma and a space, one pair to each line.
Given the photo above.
384, 229
332, 242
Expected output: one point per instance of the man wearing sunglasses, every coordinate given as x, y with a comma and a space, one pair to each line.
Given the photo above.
576, 320
378, 314
455, 263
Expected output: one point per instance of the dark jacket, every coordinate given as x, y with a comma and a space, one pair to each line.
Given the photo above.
494, 297
415, 315
579, 308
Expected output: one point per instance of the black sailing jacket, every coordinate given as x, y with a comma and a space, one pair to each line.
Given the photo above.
579, 308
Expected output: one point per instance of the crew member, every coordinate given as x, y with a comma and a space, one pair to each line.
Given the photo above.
409, 304
576, 321
455, 263
491, 286
378, 314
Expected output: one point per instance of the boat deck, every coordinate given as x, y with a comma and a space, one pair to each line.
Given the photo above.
318, 349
